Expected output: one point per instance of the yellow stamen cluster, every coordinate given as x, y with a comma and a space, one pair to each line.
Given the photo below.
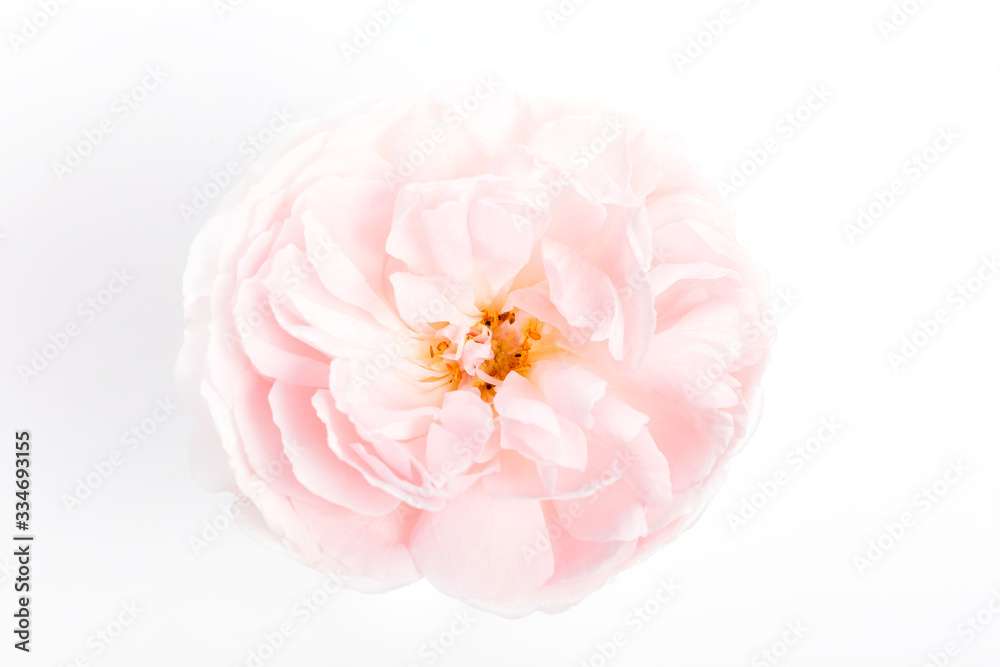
511, 342
510, 349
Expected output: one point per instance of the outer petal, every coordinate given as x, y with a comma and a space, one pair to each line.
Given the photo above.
475, 547
315, 464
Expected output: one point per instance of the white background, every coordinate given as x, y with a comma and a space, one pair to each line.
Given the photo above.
794, 561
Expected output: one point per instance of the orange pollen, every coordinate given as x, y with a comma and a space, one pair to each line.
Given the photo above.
511, 342
510, 346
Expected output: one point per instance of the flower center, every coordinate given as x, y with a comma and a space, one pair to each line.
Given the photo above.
498, 344
511, 347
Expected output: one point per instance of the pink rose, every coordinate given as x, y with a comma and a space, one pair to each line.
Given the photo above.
513, 360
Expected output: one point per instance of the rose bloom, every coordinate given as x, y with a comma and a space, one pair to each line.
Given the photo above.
509, 352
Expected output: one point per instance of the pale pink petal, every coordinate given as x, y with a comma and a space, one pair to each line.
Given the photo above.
474, 547
315, 465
